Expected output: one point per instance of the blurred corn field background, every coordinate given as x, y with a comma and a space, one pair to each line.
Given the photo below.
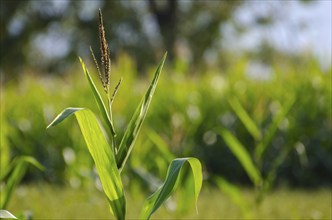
258, 118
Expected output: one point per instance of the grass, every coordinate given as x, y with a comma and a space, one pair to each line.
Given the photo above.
54, 202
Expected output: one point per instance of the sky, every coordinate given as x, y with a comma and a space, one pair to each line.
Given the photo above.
314, 34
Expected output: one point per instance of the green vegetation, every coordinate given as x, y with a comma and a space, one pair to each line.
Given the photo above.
172, 19
185, 119
10, 176
183, 123
256, 126
212, 204
6, 214
110, 158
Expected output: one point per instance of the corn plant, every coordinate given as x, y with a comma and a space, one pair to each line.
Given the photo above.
10, 176
253, 164
110, 157
6, 214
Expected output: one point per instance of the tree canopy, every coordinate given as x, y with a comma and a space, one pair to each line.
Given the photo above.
49, 34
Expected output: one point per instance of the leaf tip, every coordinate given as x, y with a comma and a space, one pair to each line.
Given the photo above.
50, 125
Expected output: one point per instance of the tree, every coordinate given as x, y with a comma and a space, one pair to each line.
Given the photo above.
49, 35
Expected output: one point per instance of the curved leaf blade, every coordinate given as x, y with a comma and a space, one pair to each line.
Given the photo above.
137, 119
247, 121
102, 155
160, 144
6, 214
242, 155
63, 115
104, 160
170, 184
273, 127
15, 172
234, 193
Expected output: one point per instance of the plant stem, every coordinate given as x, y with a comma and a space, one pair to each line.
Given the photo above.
114, 148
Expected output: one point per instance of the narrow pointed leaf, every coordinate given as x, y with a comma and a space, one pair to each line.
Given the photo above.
245, 118
172, 177
242, 155
6, 214
14, 173
160, 144
234, 194
104, 159
63, 115
273, 128
136, 121
101, 105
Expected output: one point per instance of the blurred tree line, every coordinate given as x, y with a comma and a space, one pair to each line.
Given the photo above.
50, 34
47, 36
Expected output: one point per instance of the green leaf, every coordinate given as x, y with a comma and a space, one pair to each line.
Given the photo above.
103, 157
63, 115
16, 171
170, 184
272, 173
185, 192
106, 117
242, 155
272, 129
245, 118
234, 194
6, 214
160, 144
136, 121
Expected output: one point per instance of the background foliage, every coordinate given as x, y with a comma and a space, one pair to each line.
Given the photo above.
47, 36
183, 116
207, 85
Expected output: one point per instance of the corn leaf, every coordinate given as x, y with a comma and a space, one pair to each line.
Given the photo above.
5, 214
103, 110
272, 129
272, 173
160, 144
15, 172
245, 118
234, 194
132, 131
170, 184
102, 155
63, 115
242, 155
185, 192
